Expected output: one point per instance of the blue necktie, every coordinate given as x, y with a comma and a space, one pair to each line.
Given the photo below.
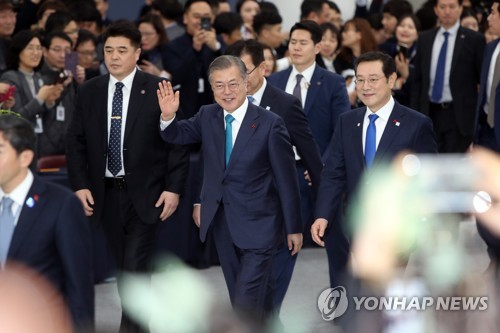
229, 137
6, 228
251, 99
437, 89
114, 146
371, 140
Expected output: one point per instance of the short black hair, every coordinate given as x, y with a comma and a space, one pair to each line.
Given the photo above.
188, 4
47, 40
397, 8
310, 6
388, 64
123, 28
85, 36
49, 4
169, 9
435, 2
57, 21
312, 27
17, 45
334, 6
251, 47
18, 132
265, 18
226, 23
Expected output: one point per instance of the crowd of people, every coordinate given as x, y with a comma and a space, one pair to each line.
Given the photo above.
284, 125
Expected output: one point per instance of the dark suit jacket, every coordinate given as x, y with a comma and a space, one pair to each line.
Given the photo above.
346, 162
151, 166
258, 188
289, 108
326, 100
53, 237
480, 115
464, 76
187, 67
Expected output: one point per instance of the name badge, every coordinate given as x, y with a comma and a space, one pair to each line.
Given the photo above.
38, 125
60, 113
201, 86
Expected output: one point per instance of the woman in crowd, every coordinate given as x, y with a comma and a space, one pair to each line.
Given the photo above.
329, 46
34, 100
406, 36
247, 9
356, 39
269, 59
469, 19
153, 43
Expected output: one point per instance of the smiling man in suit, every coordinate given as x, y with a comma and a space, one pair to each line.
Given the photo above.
42, 225
363, 137
289, 108
446, 79
250, 194
126, 176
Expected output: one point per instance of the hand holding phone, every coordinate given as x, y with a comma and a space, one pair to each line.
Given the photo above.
206, 24
8, 95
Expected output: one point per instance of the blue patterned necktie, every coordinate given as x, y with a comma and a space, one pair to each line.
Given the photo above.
114, 146
297, 92
437, 89
6, 228
371, 140
229, 137
251, 99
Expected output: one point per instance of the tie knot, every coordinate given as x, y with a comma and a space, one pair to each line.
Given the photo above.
229, 119
299, 78
119, 85
251, 99
446, 34
7, 203
373, 117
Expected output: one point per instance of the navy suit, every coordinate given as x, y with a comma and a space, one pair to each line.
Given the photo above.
346, 164
464, 78
251, 203
487, 136
52, 236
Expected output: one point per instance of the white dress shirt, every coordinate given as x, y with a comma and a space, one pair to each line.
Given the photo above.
18, 196
383, 117
304, 84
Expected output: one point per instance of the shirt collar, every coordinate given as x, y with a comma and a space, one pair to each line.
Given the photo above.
307, 73
260, 92
453, 30
240, 112
384, 112
127, 81
19, 194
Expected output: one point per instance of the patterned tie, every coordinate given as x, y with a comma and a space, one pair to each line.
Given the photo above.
114, 146
229, 137
493, 92
296, 90
6, 228
251, 99
437, 89
371, 140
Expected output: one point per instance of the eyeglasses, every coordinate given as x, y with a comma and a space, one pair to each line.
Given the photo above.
220, 87
32, 48
59, 50
248, 73
371, 81
87, 53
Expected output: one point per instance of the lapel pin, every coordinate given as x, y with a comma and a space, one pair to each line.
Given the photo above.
359, 124
396, 122
268, 108
318, 83
30, 202
253, 126
143, 92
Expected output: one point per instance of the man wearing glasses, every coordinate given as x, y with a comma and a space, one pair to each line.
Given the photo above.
250, 194
363, 138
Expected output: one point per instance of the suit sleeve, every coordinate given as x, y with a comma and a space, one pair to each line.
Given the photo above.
284, 170
424, 141
183, 132
333, 178
73, 240
339, 102
76, 146
417, 78
301, 137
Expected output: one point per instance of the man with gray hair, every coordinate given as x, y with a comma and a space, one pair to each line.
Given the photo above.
250, 193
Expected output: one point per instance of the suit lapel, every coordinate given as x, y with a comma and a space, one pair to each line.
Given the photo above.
219, 136
267, 98
356, 131
247, 130
101, 93
459, 44
312, 91
31, 209
391, 130
135, 103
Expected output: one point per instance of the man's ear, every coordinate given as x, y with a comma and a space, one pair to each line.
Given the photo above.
26, 157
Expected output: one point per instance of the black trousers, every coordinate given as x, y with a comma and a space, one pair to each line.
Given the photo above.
448, 136
131, 242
